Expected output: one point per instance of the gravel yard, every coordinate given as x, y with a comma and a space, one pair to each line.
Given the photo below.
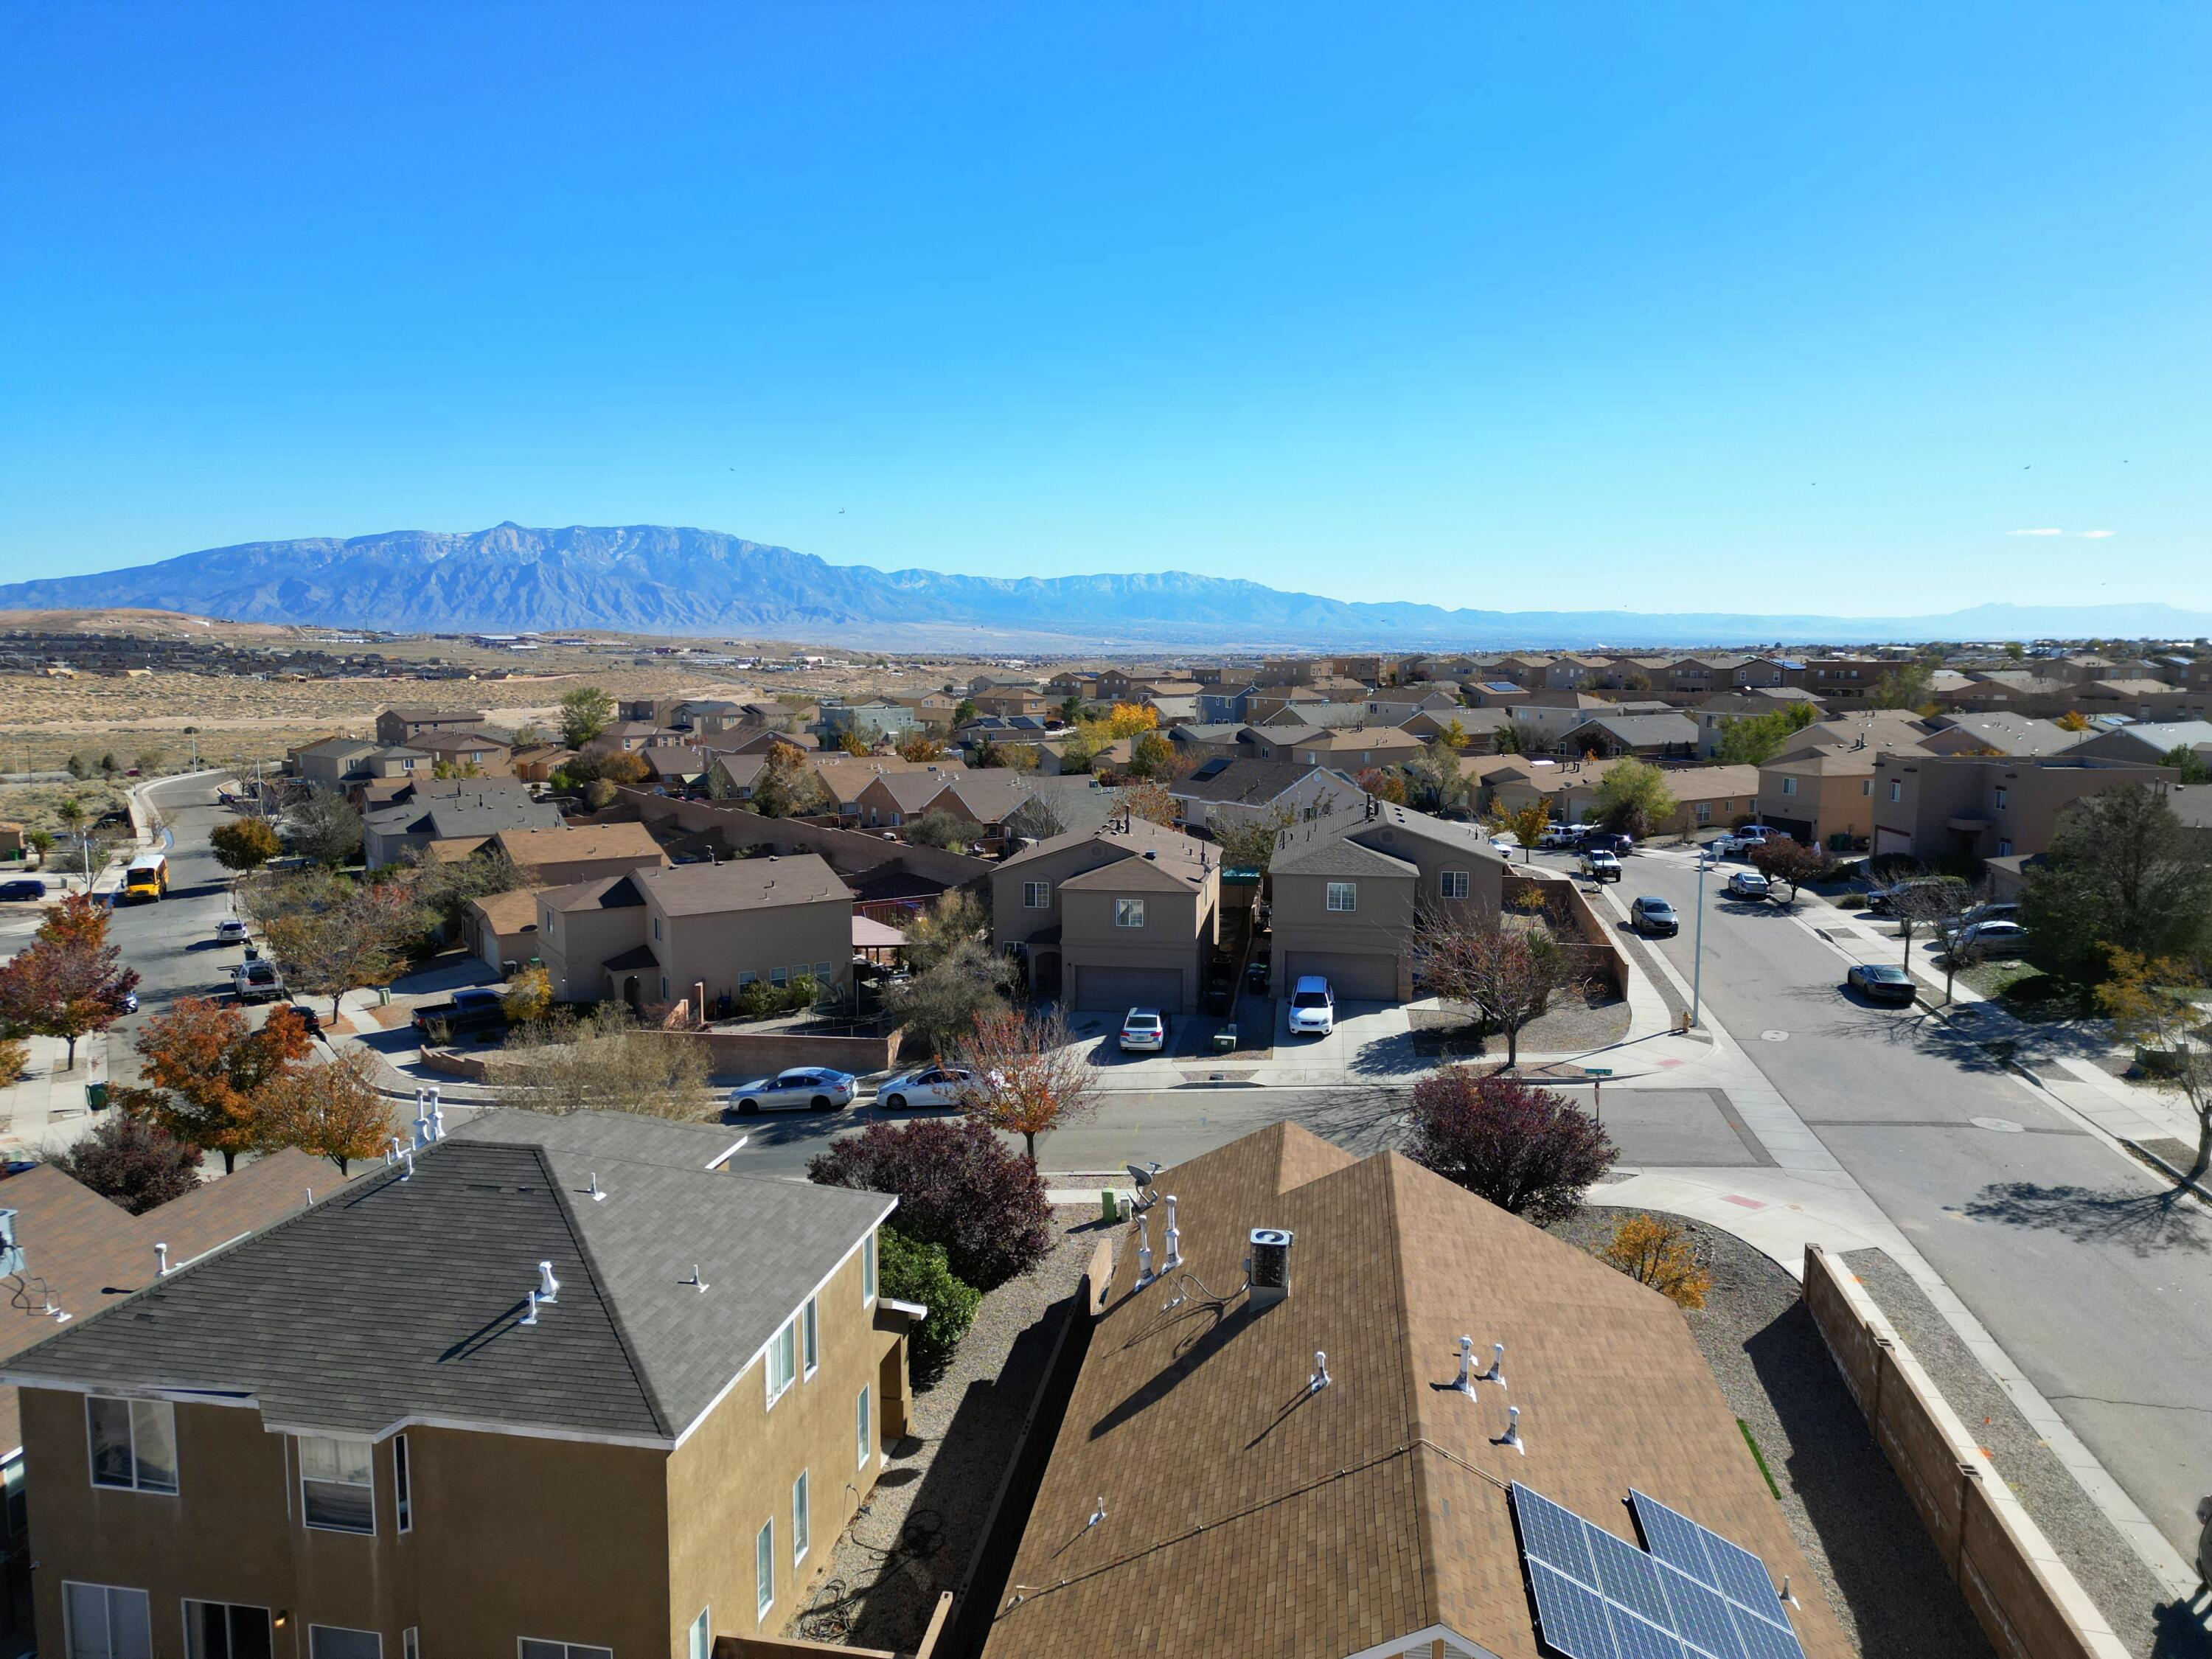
1850, 1515
921, 1524
1575, 1022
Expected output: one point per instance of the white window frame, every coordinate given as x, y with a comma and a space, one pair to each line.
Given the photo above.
1896, 789
764, 1569
810, 1337
189, 1602
1348, 891
802, 1517
299, 1452
376, 1635
410, 1642
1036, 896
865, 1425
402, 1484
702, 1636
779, 977
1128, 912
2003, 796
562, 1650
134, 1407
868, 1270
1703, 811
1789, 785
782, 1357
108, 1593
1452, 884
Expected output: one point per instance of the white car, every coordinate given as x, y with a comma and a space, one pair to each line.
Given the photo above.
1508, 845
1144, 1031
1601, 866
1558, 835
817, 1088
1989, 939
230, 931
1313, 1008
924, 1085
1747, 885
1736, 842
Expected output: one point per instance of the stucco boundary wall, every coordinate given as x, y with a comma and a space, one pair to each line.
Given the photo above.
846, 850
2028, 1603
1587, 937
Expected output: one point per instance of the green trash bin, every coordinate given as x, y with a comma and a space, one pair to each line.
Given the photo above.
95, 1097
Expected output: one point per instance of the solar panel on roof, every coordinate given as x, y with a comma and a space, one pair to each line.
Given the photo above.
1572, 1619
1695, 1595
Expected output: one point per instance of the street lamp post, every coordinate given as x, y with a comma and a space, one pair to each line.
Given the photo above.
1698, 949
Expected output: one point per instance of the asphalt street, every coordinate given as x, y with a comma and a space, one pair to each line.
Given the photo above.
2068, 1251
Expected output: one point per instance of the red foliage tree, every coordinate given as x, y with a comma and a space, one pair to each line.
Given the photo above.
209, 1073
65, 987
1526, 1150
1791, 862
79, 920
958, 1185
132, 1162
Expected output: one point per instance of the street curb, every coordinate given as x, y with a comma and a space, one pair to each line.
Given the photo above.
2177, 1176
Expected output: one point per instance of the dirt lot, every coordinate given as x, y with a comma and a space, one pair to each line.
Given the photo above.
33, 804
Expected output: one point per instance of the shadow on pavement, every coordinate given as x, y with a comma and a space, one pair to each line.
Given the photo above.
2146, 1223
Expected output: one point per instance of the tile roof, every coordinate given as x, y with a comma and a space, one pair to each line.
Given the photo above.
1246, 1515
398, 1299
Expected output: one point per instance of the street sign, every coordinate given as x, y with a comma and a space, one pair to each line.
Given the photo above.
1597, 1071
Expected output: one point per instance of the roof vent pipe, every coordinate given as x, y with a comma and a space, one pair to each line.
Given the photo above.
1512, 1434
407, 1156
1496, 1371
548, 1288
1144, 1255
162, 1261
1173, 1240
531, 1318
1320, 1379
1464, 1383
593, 1190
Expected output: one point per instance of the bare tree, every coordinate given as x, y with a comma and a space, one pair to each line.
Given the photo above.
1945, 906
1506, 971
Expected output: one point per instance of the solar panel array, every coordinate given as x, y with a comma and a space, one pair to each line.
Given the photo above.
1693, 1595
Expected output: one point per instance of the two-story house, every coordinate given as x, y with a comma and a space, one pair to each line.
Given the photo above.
404, 724
1348, 889
1222, 794
1122, 917
1938, 806
548, 1388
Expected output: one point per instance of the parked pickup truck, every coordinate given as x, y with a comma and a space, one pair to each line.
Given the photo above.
1737, 842
474, 1010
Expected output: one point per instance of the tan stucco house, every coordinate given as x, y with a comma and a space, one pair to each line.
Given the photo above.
1126, 917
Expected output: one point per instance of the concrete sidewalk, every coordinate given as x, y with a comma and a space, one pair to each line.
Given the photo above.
45, 1110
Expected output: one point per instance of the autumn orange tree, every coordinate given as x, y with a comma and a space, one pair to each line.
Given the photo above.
1662, 1254
1022, 1075
80, 920
1145, 799
333, 1111
208, 1075
69, 981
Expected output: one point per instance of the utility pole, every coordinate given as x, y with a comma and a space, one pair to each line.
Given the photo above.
1698, 949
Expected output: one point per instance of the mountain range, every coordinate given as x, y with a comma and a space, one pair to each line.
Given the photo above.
653, 579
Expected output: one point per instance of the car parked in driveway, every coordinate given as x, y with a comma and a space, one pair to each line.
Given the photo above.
1747, 884
1988, 938
815, 1088
1559, 835
1924, 893
1144, 1031
474, 1008
23, 888
924, 1085
1601, 865
1734, 843
1313, 1007
1654, 917
1881, 982
257, 980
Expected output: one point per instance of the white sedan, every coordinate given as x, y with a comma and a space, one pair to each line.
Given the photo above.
925, 1085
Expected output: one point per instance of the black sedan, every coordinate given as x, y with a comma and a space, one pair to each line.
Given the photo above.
1881, 982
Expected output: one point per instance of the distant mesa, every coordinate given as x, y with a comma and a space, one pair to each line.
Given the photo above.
655, 579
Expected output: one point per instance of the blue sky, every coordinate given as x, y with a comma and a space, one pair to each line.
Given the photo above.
1672, 306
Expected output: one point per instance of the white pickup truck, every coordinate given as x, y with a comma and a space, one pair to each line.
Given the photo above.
1736, 842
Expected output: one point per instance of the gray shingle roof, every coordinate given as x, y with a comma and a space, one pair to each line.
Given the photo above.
398, 1298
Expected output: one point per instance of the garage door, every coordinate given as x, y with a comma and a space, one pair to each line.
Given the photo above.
1368, 978
1795, 829
1119, 989
1891, 841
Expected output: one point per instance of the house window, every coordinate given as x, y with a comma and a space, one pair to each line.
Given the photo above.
1789, 785
1452, 884
134, 1443
1343, 895
536, 1648
747, 978
337, 1492
1703, 810
703, 1638
656, 927
865, 1419
1128, 912
1866, 786
897, 818
664, 987
802, 1520
868, 1269
782, 1361
2001, 800
813, 1343
330, 1642
1036, 896
779, 977
402, 1484
103, 1621
217, 1630
764, 1569
1896, 789
410, 1644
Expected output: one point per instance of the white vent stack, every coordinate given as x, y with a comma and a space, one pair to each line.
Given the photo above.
695, 1281
548, 1288
1268, 1266
1512, 1434
531, 1317
160, 1261
594, 1192
1320, 1379
1144, 1255
407, 1156
1496, 1371
1096, 1515
437, 1118
52, 1312
1175, 1240
1465, 1381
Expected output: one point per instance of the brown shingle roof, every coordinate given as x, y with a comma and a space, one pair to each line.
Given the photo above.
527, 847
1245, 1515
699, 889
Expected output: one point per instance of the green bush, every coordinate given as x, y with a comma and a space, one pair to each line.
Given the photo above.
911, 1272
1850, 901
